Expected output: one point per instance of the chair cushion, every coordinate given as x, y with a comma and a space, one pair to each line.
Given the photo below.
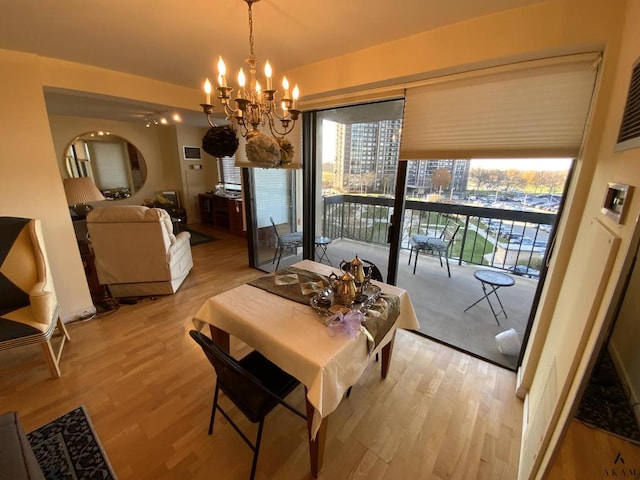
424, 242
294, 238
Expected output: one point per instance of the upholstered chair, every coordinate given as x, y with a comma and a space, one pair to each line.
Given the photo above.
136, 251
29, 309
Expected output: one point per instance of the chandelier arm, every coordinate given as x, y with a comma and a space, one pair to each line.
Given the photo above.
286, 129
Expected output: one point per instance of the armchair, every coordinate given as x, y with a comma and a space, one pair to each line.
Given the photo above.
136, 252
29, 309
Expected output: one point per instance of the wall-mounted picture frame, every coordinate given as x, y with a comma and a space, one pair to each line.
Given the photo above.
616, 199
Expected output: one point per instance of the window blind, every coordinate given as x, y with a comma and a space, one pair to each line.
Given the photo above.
532, 109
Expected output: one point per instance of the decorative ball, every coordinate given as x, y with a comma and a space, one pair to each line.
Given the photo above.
263, 150
220, 141
286, 151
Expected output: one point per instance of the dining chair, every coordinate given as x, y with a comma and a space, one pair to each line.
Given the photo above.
286, 241
437, 246
371, 268
253, 384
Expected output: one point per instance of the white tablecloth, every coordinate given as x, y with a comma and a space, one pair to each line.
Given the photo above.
293, 337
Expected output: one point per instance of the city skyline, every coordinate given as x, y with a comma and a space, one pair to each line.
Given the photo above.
526, 164
537, 164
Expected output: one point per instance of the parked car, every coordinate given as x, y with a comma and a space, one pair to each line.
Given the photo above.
515, 237
524, 271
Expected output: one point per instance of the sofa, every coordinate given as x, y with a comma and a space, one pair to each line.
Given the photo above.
136, 252
17, 460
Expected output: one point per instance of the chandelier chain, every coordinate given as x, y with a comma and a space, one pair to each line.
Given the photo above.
249, 2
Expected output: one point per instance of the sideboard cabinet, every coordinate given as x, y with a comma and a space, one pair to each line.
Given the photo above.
221, 212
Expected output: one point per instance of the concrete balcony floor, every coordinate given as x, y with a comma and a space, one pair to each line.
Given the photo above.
440, 301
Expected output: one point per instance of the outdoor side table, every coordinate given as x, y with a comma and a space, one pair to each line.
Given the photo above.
321, 249
491, 282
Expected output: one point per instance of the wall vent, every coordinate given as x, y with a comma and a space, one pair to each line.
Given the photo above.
191, 153
629, 135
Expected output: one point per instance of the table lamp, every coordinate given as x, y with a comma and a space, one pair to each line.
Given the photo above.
79, 192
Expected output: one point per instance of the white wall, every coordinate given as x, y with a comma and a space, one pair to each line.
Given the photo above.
30, 179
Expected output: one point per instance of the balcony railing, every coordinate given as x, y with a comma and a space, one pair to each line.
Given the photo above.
487, 236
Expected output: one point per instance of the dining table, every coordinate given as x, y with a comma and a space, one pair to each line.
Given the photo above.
294, 336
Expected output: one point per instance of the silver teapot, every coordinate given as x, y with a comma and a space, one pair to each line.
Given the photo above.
356, 268
344, 288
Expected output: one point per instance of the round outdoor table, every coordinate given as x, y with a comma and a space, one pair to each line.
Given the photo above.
321, 249
491, 281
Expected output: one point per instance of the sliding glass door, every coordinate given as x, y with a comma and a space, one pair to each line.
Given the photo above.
275, 211
357, 157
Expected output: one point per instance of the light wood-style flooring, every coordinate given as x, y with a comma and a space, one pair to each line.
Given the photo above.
440, 414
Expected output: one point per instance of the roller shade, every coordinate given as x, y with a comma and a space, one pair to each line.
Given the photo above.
532, 109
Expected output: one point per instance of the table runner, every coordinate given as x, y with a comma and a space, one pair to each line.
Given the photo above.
300, 285
292, 283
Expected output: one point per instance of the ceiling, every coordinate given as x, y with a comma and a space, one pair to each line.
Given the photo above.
179, 41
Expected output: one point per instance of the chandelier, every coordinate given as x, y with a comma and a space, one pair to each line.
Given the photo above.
254, 106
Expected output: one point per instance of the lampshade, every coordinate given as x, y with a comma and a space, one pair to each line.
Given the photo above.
81, 190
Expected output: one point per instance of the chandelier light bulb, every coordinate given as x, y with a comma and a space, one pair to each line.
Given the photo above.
285, 85
222, 71
296, 94
207, 92
241, 82
268, 73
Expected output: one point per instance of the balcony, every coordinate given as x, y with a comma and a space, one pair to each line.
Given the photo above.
488, 238
499, 238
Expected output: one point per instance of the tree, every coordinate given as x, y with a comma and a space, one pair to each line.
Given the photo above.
480, 178
366, 181
514, 180
327, 179
440, 178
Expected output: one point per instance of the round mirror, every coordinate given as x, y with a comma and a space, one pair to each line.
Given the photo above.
114, 164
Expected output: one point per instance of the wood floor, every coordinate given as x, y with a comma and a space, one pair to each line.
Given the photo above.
440, 414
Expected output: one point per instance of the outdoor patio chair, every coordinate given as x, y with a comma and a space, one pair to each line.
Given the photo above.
440, 246
253, 384
286, 241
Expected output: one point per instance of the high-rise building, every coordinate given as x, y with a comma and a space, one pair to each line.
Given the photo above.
367, 157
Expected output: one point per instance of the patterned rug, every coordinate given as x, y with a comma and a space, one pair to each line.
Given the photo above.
605, 403
68, 448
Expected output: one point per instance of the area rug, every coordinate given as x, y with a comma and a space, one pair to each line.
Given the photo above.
605, 403
68, 449
197, 238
